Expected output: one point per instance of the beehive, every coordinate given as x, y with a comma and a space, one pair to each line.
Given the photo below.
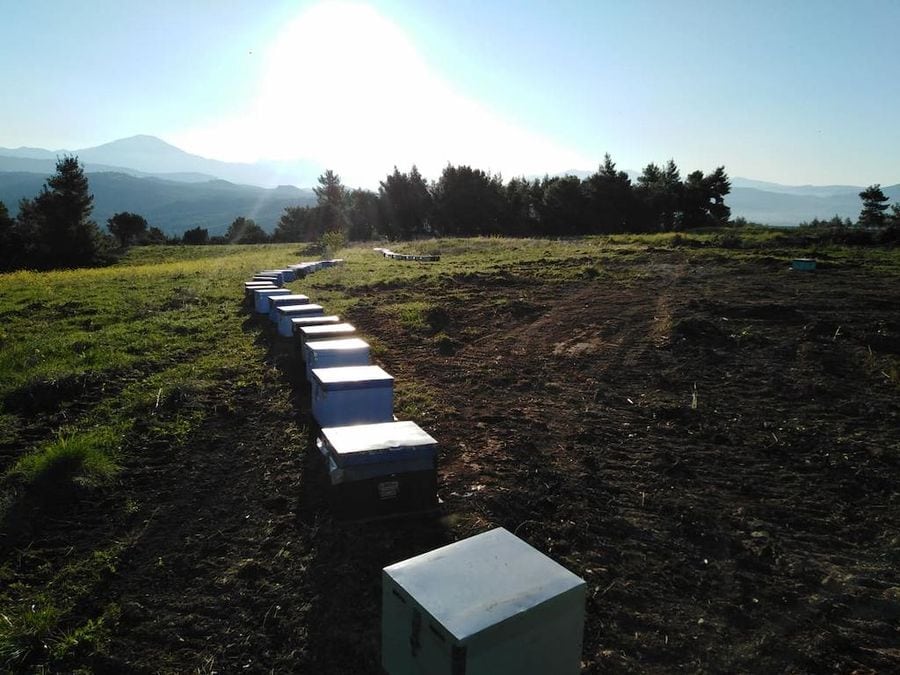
335, 353
261, 298
380, 469
250, 286
283, 301
487, 605
323, 332
351, 395
298, 322
803, 264
287, 312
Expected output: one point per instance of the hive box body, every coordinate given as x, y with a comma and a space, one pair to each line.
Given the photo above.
283, 301
378, 470
324, 332
287, 312
271, 278
335, 353
351, 395
803, 264
283, 275
261, 298
487, 605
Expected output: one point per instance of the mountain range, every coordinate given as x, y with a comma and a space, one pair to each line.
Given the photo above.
175, 190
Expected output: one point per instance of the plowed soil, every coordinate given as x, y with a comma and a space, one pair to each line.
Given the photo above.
714, 446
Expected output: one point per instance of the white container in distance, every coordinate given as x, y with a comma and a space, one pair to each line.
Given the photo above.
284, 300
335, 353
352, 395
287, 312
380, 469
261, 298
487, 605
324, 332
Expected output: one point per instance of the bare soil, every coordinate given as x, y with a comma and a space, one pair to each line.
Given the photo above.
713, 446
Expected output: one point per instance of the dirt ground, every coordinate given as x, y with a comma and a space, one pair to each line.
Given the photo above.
713, 446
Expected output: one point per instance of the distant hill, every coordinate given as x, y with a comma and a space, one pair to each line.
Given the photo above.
786, 208
148, 155
169, 205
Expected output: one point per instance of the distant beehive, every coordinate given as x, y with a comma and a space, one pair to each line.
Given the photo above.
803, 264
382, 469
487, 605
352, 395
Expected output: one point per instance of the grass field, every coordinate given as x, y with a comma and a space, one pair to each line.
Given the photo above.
160, 507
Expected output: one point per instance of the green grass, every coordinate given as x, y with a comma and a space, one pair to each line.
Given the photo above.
87, 457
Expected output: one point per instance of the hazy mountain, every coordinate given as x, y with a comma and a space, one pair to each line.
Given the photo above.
169, 205
803, 190
148, 155
783, 208
48, 167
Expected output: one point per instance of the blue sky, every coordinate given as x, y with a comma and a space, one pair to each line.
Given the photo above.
791, 91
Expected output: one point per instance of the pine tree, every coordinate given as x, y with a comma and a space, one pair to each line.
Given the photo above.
875, 203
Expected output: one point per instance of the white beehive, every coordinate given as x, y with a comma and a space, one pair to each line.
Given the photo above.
351, 395
250, 286
285, 313
284, 300
271, 278
261, 298
380, 469
323, 332
487, 605
299, 322
335, 353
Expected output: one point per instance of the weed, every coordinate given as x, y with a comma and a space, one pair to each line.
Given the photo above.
86, 457
26, 634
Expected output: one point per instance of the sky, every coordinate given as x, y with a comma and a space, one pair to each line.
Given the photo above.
789, 91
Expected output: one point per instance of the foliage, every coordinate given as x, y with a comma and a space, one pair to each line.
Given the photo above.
406, 204
197, 236
467, 202
332, 242
332, 202
127, 227
298, 223
875, 203
85, 457
54, 230
245, 231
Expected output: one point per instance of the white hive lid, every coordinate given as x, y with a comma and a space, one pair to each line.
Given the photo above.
309, 308
352, 375
342, 345
364, 438
326, 329
482, 581
271, 291
315, 320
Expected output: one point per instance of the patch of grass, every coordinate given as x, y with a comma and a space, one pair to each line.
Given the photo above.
86, 457
26, 634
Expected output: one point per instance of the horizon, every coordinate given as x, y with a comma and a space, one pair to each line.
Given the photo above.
511, 89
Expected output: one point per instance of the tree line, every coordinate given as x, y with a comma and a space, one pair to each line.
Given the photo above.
54, 229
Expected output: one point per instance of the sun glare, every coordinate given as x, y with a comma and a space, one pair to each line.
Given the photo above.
345, 87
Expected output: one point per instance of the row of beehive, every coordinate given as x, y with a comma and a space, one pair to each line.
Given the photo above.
486, 605
377, 465
387, 253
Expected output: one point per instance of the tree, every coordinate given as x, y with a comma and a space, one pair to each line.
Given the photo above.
363, 216
875, 203
57, 222
610, 198
405, 203
563, 210
245, 231
298, 223
154, 236
331, 198
197, 236
11, 249
127, 227
467, 202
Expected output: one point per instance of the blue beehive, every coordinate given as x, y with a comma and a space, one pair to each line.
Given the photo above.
287, 312
261, 298
335, 353
284, 300
352, 395
803, 264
